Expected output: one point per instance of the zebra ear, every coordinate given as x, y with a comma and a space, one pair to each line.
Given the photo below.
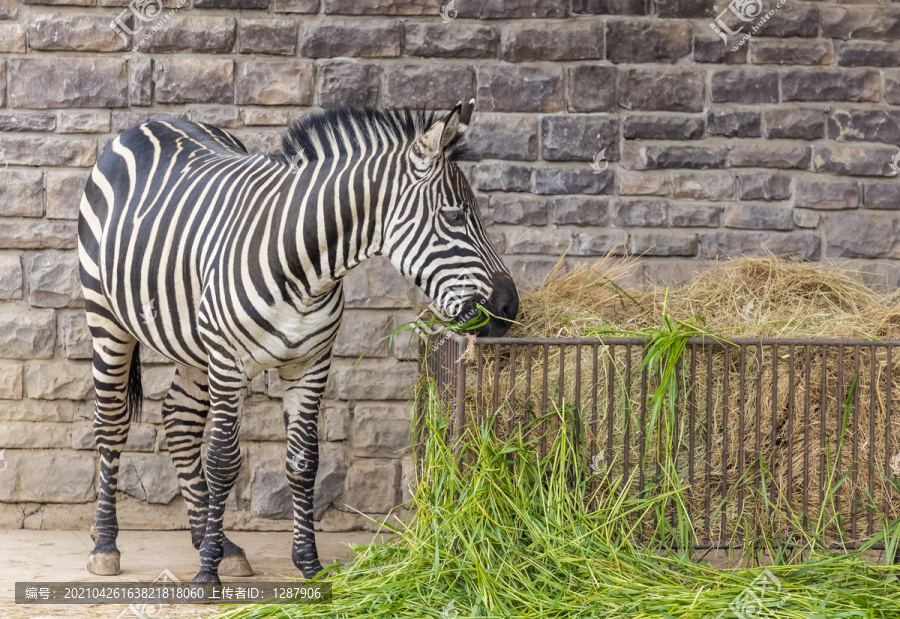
429, 145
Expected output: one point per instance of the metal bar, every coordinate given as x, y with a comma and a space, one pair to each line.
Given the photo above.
725, 389
513, 349
790, 432
610, 400
873, 395
627, 400
562, 377
642, 447
692, 411
479, 388
889, 375
529, 363
797, 341
741, 402
709, 414
807, 371
544, 396
823, 418
772, 493
495, 396
855, 442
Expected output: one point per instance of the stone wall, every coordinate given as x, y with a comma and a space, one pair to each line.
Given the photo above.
703, 149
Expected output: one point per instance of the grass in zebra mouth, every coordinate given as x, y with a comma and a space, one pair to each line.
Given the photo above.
500, 531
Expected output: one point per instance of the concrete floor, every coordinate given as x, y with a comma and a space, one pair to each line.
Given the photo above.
59, 556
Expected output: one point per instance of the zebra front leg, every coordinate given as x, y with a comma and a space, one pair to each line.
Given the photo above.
114, 350
184, 416
223, 461
303, 387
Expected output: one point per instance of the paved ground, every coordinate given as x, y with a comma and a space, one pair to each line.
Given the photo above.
59, 556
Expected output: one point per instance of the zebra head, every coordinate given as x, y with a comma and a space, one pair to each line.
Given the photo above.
434, 236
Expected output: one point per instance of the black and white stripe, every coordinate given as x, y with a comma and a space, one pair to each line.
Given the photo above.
230, 264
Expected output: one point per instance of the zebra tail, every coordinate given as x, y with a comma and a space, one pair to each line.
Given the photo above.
135, 391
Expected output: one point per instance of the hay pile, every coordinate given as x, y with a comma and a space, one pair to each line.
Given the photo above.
848, 449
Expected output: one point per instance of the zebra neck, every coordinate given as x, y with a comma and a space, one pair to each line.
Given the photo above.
339, 207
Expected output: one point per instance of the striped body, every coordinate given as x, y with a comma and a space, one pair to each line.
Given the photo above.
230, 264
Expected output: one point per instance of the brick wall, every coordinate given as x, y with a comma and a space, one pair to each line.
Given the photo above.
711, 149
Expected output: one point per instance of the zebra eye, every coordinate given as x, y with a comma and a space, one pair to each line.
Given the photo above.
453, 217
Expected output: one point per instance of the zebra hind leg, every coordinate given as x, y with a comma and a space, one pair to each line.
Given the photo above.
184, 416
303, 388
223, 458
116, 370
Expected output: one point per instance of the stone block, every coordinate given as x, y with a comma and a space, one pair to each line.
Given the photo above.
87, 121
765, 154
51, 380
337, 422
758, 217
268, 36
640, 213
694, 216
27, 122
868, 54
27, 334
381, 430
22, 194
425, 85
580, 211
854, 160
592, 88
372, 379
763, 186
499, 176
792, 52
380, 7
658, 243
10, 277
800, 245
339, 37
520, 240
503, 136
643, 184
881, 195
38, 235
861, 22
348, 83
568, 138
744, 86
274, 82
702, 186
505, 88
371, 486
12, 38
54, 281
48, 82
668, 127
795, 123
212, 80
148, 477
140, 81
818, 193
732, 123
611, 7
48, 477
11, 383
674, 89
439, 41
636, 156
77, 33
646, 41
363, 332
519, 209
709, 49
830, 85
542, 40
864, 125
514, 9
571, 180
603, 243
862, 234
50, 150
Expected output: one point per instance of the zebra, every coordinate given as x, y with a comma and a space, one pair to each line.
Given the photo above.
230, 264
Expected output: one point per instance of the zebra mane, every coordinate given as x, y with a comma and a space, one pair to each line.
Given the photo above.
315, 132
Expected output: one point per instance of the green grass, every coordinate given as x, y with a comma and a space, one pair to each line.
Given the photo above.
502, 532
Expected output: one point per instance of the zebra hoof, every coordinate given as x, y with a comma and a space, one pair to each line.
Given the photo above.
205, 576
103, 563
235, 565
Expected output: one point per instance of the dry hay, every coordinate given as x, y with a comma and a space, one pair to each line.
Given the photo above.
791, 440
